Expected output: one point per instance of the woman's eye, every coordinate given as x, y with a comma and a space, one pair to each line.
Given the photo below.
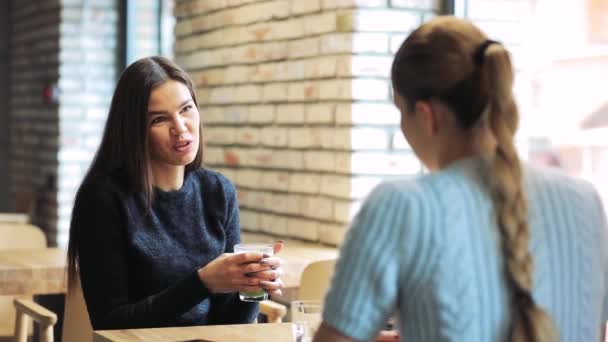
187, 108
156, 120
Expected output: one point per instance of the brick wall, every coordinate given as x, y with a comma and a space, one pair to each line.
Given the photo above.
34, 61
295, 100
87, 75
5, 132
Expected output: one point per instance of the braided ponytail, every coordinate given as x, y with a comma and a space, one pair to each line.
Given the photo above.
530, 322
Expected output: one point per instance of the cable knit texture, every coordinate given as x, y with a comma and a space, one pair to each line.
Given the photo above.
139, 270
429, 250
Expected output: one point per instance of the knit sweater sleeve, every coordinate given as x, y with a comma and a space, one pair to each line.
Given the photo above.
99, 218
228, 308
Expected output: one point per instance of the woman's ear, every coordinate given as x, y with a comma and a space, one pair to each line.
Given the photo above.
428, 117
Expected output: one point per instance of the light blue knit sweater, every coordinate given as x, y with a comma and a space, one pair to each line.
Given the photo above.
429, 249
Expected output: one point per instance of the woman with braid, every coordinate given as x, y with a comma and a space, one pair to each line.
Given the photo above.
484, 247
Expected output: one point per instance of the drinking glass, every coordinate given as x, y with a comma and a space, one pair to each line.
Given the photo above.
267, 249
306, 315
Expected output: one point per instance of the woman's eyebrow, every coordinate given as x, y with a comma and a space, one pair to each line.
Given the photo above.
164, 111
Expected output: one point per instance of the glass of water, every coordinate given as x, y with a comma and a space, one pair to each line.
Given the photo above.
306, 316
268, 249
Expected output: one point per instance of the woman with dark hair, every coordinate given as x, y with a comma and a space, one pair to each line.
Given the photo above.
152, 231
484, 247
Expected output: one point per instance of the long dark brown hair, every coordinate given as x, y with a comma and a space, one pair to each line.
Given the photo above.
124, 149
451, 60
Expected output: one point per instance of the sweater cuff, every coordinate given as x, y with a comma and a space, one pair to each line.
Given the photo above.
196, 286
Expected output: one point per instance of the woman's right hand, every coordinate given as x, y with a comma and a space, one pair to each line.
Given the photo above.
228, 272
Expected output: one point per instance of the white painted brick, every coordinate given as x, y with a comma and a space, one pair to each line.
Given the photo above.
248, 178
336, 186
290, 29
372, 66
275, 180
417, 4
345, 211
304, 47
189, 8
303, 7
303, 229
294, 202
270, 72
399, 142
369, 138
290, 159
385, 164
247, 136
212, 115
237, 74
235, 114
498, 10
362, 186
250, 220
219, 135
273, 224
247, 94
332, 4
320, 23
320, 160
290, 114
211, 77
368, 113
320, 113
335, 90
343, 162
303, 91
261, 114
304, 137
336, 138
354, 42
332, 234
317, 207
396, 41
381, 21
274, 92
370, 89
218, 95
258, 157
277, 202
274, 136
304, 182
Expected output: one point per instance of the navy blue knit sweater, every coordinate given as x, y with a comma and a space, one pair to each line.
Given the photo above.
140, 271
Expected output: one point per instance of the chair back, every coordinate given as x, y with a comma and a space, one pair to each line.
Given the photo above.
316, 279
16, 236
76, 323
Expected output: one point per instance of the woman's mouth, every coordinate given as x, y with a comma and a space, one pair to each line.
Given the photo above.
183, 146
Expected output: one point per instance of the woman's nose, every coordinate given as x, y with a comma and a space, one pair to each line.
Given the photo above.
179, 126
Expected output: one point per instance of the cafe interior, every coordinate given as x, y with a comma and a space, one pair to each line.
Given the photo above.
296, 104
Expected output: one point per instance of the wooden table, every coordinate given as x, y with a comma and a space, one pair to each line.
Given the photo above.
42, 271
276, 332
32, 271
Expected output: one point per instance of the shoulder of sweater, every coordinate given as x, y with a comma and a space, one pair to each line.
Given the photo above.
212, 178
552, 177
214, 182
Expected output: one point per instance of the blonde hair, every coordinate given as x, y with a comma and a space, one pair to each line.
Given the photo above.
451, 60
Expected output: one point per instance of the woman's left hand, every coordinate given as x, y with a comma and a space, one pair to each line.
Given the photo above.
271, 280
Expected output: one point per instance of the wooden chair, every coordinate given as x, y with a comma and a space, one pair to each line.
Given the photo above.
14, 218
16, 236
314, 283
27, 310
76, 323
